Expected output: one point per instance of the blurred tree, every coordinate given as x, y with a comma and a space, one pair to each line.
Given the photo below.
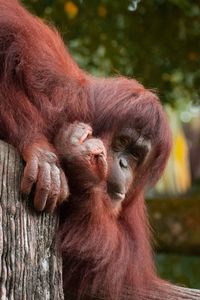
158, 43
177, 176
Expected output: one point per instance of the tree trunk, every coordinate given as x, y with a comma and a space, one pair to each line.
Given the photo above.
30, 267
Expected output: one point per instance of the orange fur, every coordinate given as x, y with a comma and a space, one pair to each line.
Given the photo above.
41, 88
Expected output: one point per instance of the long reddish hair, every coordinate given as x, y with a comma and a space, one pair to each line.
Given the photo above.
41, 84
102, 251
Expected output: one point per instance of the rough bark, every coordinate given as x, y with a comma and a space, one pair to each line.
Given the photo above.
30, 267
176, 225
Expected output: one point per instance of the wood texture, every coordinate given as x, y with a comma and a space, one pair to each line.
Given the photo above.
30, 267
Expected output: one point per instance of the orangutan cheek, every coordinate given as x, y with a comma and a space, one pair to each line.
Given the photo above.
129, 181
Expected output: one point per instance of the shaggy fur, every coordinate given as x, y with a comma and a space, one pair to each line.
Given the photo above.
41, 87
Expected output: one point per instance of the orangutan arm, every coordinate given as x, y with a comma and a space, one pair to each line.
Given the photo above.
24, 128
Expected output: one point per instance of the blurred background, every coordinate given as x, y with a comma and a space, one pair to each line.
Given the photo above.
158, 43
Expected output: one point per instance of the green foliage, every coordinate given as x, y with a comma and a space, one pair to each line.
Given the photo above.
184, 270
159, 43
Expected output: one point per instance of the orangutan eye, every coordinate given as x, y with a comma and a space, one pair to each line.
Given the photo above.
120, 143
136, 155
139, 152
124, 141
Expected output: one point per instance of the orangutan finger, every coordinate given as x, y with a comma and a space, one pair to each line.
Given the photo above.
29, 176
102, 166
42, 187
51, 203
81, 133
84, 136
64, 190
95, 147
55, 189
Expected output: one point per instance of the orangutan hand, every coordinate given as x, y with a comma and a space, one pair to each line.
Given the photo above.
42, 170
80, 150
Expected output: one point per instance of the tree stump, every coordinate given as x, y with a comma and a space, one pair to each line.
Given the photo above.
30, 266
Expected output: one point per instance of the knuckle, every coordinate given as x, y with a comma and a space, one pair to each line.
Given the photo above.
56, 169
51, 157
47, 157
100, 144
30, 178
44, 165
44, 190
55, 178
54, 194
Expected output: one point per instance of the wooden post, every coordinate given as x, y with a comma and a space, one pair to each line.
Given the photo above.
30, 267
